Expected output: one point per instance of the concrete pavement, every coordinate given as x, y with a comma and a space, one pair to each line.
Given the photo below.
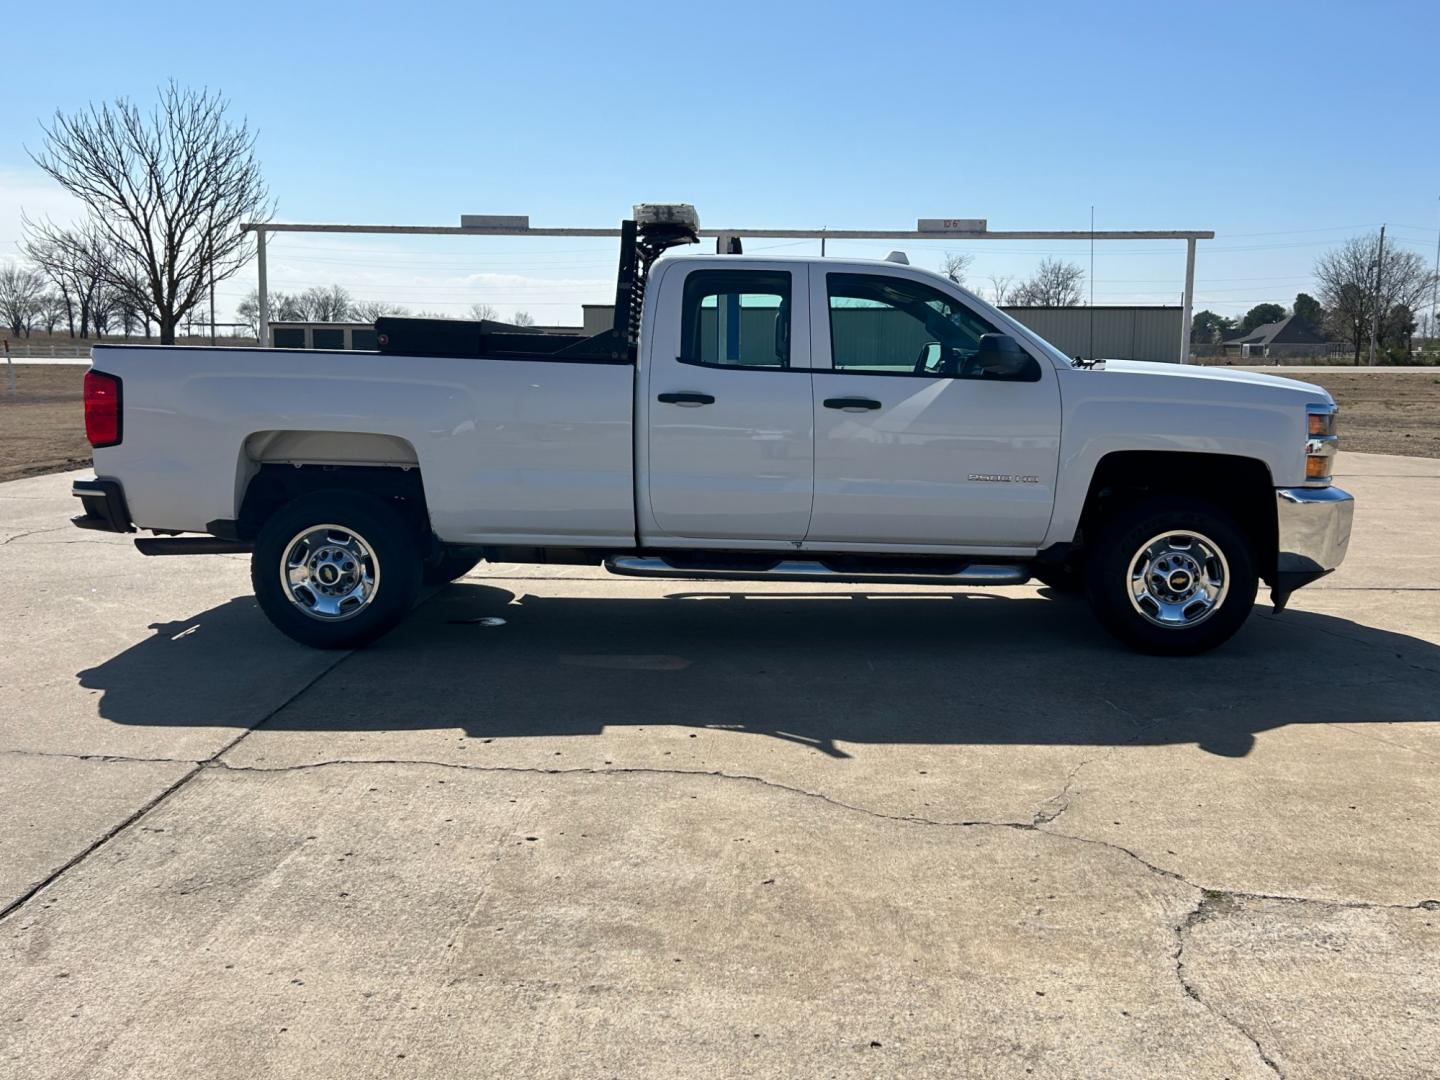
695, 828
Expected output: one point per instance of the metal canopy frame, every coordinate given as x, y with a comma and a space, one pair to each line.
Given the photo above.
261, 229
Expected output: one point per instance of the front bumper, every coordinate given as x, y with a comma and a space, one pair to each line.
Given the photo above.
104, 502
1314, 532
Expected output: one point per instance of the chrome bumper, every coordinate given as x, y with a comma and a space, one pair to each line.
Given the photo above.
1313, 531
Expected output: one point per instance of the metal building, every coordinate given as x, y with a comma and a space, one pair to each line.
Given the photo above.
1117, 333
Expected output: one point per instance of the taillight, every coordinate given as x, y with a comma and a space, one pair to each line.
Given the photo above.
102, 408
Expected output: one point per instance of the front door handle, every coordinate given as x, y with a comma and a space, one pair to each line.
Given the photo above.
852, 404
687, 398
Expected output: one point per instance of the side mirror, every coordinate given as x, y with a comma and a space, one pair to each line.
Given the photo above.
1001, 356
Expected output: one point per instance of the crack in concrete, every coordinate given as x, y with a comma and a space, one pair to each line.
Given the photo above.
1045, 814
1210, 902
218, 762
1341, 726
1209, 906
190, 774
1064, 797
1270, 616
35, 532
108, 758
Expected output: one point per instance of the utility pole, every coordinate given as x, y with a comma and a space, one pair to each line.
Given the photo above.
1375, 314
1092, 286
1435, 297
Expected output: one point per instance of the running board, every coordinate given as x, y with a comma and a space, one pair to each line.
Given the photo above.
807, 570
191, 545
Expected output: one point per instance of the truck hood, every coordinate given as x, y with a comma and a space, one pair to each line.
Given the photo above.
1216, 374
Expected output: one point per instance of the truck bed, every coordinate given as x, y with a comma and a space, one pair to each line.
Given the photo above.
513, 449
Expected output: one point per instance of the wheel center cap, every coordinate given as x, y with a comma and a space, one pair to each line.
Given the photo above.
1179, 580
328, 574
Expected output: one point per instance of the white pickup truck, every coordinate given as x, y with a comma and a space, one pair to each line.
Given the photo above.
746, 418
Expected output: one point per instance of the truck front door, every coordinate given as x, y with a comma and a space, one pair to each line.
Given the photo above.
913, 444
725, 406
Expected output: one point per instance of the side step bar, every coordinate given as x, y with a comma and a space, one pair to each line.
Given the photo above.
808, 570
191, 545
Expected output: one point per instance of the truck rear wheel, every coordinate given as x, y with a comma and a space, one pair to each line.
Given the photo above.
336, 570
1172, 577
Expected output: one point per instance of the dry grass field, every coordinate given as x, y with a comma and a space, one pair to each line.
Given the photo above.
42, 428
42, 424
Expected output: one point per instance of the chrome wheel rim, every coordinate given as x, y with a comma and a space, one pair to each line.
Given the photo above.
1178, 579
329, 572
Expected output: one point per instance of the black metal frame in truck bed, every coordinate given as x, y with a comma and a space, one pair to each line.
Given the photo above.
640, 246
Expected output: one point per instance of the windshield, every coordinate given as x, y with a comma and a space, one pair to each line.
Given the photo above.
1020, 331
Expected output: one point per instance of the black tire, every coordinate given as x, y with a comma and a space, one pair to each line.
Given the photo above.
393, 550
1059, 577
453, 563
1125, 536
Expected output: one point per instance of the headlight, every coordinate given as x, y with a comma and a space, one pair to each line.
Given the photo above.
1321, 442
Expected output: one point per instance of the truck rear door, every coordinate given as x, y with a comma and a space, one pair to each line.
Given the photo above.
725, 405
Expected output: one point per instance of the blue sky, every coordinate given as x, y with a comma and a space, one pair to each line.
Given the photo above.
1283, 127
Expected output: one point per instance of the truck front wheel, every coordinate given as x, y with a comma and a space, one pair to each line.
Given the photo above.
336, 570
453, 563
1171, 576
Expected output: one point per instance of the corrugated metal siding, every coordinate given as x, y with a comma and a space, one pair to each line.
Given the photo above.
1121, 333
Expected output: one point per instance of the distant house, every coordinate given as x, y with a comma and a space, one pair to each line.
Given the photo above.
1291, 336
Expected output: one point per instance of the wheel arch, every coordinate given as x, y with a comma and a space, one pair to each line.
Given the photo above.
1242, 486
278, 466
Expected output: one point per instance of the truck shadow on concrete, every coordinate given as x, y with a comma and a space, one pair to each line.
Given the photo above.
815, 668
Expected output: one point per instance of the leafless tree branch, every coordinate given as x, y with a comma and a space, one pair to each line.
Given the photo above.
166, 192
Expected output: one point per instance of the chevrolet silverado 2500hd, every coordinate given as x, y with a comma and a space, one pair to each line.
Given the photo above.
745, 418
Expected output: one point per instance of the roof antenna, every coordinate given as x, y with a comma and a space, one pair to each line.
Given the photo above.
1092, 282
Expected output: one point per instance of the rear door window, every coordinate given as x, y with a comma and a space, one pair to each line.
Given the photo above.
737, 318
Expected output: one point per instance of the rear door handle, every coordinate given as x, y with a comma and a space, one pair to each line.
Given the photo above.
686, 397
852, 404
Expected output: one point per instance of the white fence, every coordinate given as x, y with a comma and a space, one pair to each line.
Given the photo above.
72, 350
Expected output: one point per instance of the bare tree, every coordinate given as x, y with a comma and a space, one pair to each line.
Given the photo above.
21, 289
51, 310
284, 307
482, 312
80, 262
324, 304
127, 313
370, 310
167, 191
1346, 276
104, 306
56, 264
248, 311
522, 318
955, 265
1001, 288
1054, 284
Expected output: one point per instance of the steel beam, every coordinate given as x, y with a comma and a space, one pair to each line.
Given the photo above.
263, 337
762, 234
1188, 302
